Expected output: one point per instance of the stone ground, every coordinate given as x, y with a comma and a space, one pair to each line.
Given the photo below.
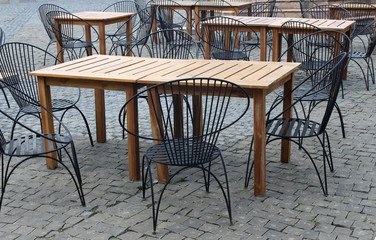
42, 204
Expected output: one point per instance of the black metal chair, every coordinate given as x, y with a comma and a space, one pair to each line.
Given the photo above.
210, 13
71, 36
185, 141
327, 79
43, 10
142, 23
33, 144
174, 44
121, 6
16, 61
262, 10
226, 41
364, 15
314, 50
367, 57
2, 41
306, 4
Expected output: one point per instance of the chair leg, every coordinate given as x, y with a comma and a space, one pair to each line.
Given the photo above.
249, 166
341, 120
5, 96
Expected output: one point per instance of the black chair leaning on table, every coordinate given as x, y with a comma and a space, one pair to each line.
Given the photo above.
121, 6
71, 36
2, 41
34, 144
16, 61
313, 52
43, 10
187, 141
226, 41
141, 27
327, 79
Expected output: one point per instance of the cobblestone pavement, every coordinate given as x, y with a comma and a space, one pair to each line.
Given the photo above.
42, 204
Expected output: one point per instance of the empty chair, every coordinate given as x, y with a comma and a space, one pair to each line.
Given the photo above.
16, 61
214, 12
327, 79
121, 6
355, 56
33, 144
141, 27
43, 10
2, 41
70, 36
314, 51
221, 34
184, 141
174, 44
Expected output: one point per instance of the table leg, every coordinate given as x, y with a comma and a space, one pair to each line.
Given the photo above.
189, 19
277, 45
47, 119
206, 33
263, 45
88, 39
102, 38
197, 19
286, 145
344, 75
100, 114
129, 34
133, 141
60, 52
259, 142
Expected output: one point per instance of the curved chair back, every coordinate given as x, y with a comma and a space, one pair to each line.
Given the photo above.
222, 35
69, 32
188, 124
123, 6
43, 10
306, 4
217, 12
170, 18
16, 61
169, 43
364, 15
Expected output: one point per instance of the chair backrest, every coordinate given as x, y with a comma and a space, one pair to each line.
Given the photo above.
371, 46
69, 31
43, 10
364, 15
327, 79
315, 49
190, 114
264, 9
123, 6
169, 17
223, 38
216, 12
306, 4
2, 36
169, 43
16, 61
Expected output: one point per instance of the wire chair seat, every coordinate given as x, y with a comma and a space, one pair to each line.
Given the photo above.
234, 55
183, 152
293, 128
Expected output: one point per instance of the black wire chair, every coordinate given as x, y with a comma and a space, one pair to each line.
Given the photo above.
43, 10
185, 141
364, 15
210, 13
329, 11
2, 41
314, 50
170, 43
327, 79
142, 23
306, 4
70, 35
33, 144
225, 40
262, 10
16, 61
367, 57
121, 6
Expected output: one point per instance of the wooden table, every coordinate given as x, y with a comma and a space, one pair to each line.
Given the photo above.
100, 19
263, 24
190, 6
129, 73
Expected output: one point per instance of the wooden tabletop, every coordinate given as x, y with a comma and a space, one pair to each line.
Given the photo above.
101, 16
324, 24
259, 75
201, 4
